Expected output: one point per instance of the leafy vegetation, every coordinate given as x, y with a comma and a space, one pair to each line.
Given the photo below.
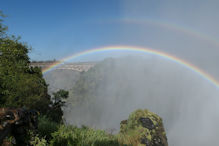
142, 127
20, 84
70, 135
55, 113
52, 133
36, 141
132, 132
3, 28
46, 127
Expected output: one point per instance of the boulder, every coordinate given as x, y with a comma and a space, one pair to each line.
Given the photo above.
16, 123
143, 128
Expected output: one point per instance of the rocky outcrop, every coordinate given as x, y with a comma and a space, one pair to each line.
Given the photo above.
143, 128
16, 123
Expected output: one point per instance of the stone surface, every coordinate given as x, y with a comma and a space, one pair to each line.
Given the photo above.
16, 123
143, 128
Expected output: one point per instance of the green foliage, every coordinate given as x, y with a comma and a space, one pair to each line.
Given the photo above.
132, 130
133, 120
20, 84
55, 113
3, 28
36, 141
24, 86
70, 135
59, 96
46, 127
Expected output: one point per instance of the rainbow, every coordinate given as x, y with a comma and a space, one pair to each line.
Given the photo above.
173, 27
148, 51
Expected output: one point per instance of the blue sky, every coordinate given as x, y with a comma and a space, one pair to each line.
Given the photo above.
56, 28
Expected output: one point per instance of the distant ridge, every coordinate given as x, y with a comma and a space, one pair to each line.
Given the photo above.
76, 66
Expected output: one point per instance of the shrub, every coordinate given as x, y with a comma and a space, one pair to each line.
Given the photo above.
70, 135
46, 127
38, 141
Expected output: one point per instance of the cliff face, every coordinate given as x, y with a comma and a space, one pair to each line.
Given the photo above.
143, 128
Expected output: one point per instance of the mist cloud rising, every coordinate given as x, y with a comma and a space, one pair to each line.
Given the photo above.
186, 102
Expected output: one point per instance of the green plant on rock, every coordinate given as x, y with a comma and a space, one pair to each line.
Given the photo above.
142, 127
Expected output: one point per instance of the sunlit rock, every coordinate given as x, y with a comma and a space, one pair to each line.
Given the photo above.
143, 128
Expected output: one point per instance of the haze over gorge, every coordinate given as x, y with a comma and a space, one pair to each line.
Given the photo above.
108, 92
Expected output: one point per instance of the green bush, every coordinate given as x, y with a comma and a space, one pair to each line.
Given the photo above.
70, 135
36, 141
46, 127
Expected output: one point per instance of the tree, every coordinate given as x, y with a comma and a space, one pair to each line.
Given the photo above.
59, 96
3, 28
20, 84
56, 112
